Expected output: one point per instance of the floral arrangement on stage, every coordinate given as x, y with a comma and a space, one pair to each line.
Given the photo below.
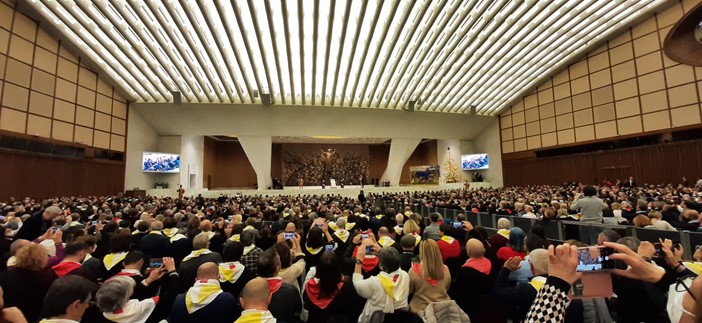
347, 169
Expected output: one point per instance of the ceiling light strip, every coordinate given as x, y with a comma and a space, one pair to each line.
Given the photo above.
276, 53
301, 45
387, 46
327, 52
370, 35
342, 42
352, 52
288, 49
212, 24
183, 25
95, 54
248, 50
245, 70
211, 48
370, 69
260, 43
390, 75
125, 56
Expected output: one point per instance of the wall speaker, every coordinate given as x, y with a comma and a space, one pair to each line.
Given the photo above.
410, 106
176, 97
266, 99
472, 110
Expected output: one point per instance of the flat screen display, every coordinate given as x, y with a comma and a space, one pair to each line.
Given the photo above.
160, 163
475, 161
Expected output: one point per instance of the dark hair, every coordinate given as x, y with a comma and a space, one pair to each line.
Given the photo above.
143, 226
434, 217
589, 191
133, 257
74, 247
389, 260
329, 275
63, 292
315, 238
445, 228
610, 235
169, 223
120, 242
266, 263
538, 230
232, 251
535, 241
283, 250
247, 238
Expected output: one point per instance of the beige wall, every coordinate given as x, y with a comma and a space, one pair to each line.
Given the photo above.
47, 92
625, 87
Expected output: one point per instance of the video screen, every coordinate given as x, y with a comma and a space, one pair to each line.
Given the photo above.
476, 161
594, 259
160, 163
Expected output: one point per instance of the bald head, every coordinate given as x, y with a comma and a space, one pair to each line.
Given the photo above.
256, 295
206, 226
290, 227
475, 248
383, 231
208, 270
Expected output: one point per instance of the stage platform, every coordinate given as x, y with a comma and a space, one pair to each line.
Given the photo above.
347, 191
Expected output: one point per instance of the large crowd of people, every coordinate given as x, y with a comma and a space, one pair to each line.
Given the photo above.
333, 259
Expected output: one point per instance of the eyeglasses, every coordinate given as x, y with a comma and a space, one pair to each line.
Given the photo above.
680, 283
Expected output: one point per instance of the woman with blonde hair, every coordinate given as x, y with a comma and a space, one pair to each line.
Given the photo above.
430, 279
412, 228
24, 283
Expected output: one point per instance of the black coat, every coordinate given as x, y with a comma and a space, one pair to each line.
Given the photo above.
218, 311
154, 245
33, 227
188, 269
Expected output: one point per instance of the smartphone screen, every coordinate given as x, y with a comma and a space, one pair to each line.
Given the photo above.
659, 249
54, 229
458, 225
288, 236
94, 222
369, 250
156, 262
594, 259
364, 236
329, 248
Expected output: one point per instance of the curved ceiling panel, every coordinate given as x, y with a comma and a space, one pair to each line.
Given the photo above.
443, 56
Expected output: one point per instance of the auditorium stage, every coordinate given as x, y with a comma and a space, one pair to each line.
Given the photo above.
347, 191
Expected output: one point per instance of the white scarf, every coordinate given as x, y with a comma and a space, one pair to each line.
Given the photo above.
248, 249
134, 311
255, 316
112, 259
386, 241
230, 271
196, 253
201, 294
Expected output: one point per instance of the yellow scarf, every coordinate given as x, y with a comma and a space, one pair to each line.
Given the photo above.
538, 282
391, 285
333, 226
386, 241
504, 233
408, 213
313, 251
417, 238
249, 227
112, 259
379, 216
170, 233
196, 253
398, 230
248, 249
350, 225
201, 294
235, 238
694, 267
342, 234
255, 316
448, 239
230, 271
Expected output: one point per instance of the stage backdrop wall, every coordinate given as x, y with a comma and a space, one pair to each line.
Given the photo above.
344, 163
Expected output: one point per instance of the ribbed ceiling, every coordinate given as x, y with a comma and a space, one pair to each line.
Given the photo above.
443, 56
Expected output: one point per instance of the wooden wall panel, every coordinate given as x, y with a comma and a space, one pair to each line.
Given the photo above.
40, 176
663, 163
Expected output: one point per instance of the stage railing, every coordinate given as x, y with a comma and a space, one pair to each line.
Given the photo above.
556, 231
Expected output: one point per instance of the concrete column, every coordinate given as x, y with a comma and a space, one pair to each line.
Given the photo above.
258, 150
191, 160
400, 150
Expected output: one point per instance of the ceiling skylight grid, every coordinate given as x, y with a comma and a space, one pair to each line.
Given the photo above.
448, 54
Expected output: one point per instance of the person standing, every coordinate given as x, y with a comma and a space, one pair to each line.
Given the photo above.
181, 192
590, 208
301, 182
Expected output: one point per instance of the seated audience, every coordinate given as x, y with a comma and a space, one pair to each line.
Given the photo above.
449, 247
386, 292
515, 247
658, 223
205, 301
328, 295
411, 228
74, 254
145, 287
524, 273
155, 244
432, 231
430, 279
251, 251
200, 255
23, 283
408, 246
501, 239
285, 298
70, 297
255, 299
289, 271
518, 298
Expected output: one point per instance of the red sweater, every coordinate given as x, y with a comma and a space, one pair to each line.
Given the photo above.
507, 252
449, 247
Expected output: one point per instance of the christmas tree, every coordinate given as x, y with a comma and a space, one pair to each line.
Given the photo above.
450, 170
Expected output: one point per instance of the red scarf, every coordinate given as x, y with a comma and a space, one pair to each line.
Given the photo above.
481, 264
65, 267
369, 263
312, 291
418, 269
274, 284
